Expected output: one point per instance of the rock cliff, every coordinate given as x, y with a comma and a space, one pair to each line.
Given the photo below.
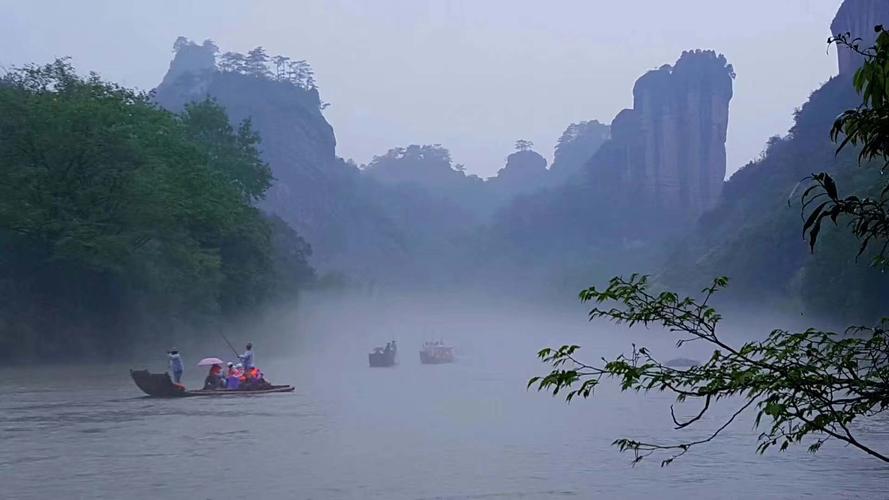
670, 147
858, 17
753, 235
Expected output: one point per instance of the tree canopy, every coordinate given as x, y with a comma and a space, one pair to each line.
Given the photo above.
107, 201
259, 64
523, 145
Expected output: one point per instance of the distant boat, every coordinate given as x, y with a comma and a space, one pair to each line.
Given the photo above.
159, 385
436, 353
682, 363
383, 356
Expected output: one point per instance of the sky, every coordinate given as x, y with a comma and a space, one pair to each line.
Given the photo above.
471, 75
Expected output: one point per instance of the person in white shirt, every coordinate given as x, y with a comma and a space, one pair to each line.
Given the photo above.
247, 357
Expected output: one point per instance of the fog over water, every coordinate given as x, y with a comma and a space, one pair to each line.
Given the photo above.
467, 430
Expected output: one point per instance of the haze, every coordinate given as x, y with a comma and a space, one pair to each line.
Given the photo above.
472, 76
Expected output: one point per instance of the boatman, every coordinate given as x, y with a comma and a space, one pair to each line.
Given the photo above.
175, 364
247, 357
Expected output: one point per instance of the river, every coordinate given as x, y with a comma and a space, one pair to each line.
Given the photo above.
468, 430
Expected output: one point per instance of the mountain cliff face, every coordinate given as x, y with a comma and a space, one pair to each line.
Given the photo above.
670, 147
858, 18
753, 234
324, 198
662, 167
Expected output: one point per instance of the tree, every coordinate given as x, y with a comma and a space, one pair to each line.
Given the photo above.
808, 385
867, 127
303, 75
523, 145
233, 62
234, 153
300, 74
257, 63
280, 66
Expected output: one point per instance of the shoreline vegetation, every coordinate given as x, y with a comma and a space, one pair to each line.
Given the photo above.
119, 219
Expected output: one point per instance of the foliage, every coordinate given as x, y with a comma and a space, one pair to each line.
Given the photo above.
429, 166
257, 63
235, 154
523, 145
805, 383
107, 201
866, 127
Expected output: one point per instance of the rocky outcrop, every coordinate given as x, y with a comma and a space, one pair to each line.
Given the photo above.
670, 148
191, 60
858, 18
524, 173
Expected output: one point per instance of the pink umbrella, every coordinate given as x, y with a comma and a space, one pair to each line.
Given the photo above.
210, 362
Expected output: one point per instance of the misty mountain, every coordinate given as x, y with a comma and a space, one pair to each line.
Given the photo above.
645, 193
752, 235
324, 198
410, 215
661, 167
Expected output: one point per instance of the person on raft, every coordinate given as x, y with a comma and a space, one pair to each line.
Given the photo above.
247, 357
176, 365
254, 379
233, 376
214, 378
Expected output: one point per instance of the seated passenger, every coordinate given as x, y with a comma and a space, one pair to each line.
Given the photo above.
214, 378
255, 380
233, 377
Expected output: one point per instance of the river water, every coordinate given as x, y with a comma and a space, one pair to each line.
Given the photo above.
468, 430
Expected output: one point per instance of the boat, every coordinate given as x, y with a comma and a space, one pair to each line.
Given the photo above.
160, 385
436, 353
682, 363
382, 357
